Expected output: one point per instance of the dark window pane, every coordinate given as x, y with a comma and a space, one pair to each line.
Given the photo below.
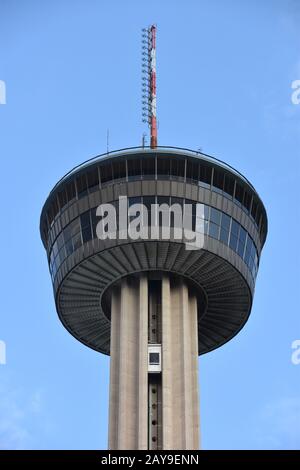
106, 173
241, 247
153, 358
229, 185
71, 191
176, 200
163, 167
218, 179
81, 183
85, 220
224, 236
205, 173
134, 168
225, 221
134, 200
254, 208
214, 230
163, 200
93, 180
148, 201
76, 240
60, 241
86, 234
248, 249
192, 171
257, 216
119, 169
50, 215
239, 192
148, 167
233, 242
253, 251
95, 220
177, 167
215, 216
235, 228
69, 247
62, 198
55, 207
71, 229
247, 200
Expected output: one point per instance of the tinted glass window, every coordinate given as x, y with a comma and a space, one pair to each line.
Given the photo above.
85, 219
215, 216
205, 174
192, 171
241, 242
148, 167
229, 185
134, 200
76, 240
54, 207
106, 173
257, 216
218, 179
94, 220
224, 234
225, 221
93, 180
163, 166
254, 208
81, 183
239, 192
119, 169
134, 168
71, 191
148, 201
86, 226
233, 242
235, 228
247, 200
248, 250
62, 198
177, 167
214, 230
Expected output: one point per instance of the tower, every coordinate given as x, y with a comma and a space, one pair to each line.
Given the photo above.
153, 302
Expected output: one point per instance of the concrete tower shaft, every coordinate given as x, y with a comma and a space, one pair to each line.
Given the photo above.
154, 410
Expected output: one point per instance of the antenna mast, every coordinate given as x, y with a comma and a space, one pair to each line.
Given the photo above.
149, 81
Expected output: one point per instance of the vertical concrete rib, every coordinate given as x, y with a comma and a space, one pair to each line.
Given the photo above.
142, 421
167, 387
114, 370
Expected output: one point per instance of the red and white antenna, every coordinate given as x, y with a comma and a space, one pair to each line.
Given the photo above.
149, 81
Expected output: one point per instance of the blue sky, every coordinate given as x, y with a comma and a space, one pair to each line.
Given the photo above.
72, 70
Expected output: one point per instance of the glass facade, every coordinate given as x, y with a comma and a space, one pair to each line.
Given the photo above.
217, 225
159, 167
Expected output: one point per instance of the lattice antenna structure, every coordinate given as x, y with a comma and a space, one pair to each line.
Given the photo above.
149, 81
